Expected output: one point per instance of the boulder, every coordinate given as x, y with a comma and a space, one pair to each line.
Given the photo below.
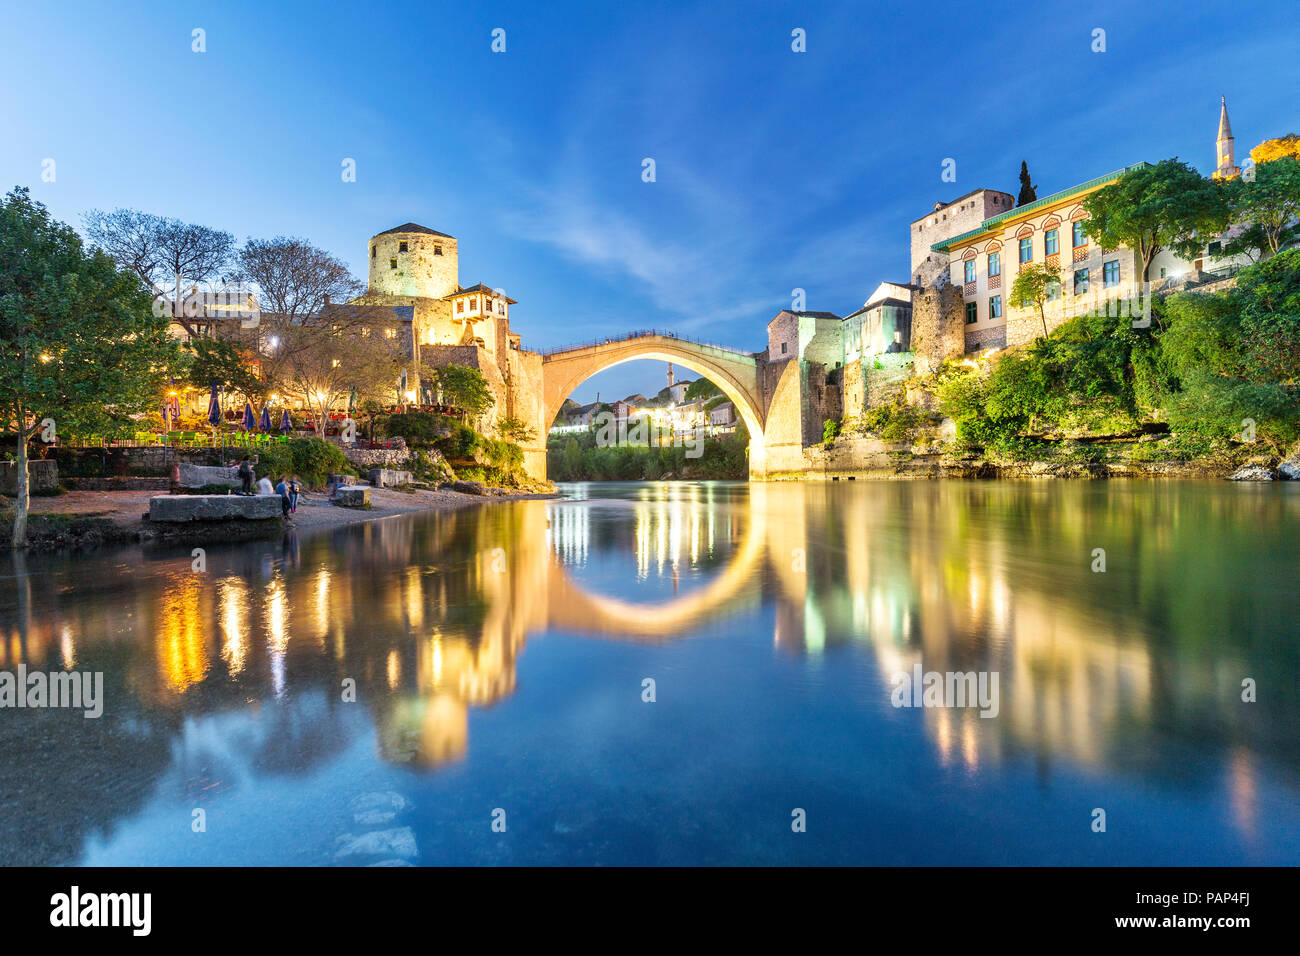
1252, 472
184, 508
389, 478
351, 496
1289, 470
469, 487
196, 476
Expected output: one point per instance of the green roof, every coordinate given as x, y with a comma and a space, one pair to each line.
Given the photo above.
1037, 204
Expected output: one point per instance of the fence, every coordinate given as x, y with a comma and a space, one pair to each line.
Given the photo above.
642, 334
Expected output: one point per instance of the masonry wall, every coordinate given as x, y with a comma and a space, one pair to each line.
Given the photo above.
937, 327
420, 271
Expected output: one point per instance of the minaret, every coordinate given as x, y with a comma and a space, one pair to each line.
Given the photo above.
670, 374
1227, 160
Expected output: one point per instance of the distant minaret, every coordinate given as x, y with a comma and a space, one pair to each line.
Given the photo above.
1227, 160
670, 374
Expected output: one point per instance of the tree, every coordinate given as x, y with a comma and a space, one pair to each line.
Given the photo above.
572, 459
1034, 285
226, 363
325, 363
1028, 191
514, 430
79, 342
1165, 206
462, 387
701, 388
164, 253
1271, 149
295, 281
1267, 209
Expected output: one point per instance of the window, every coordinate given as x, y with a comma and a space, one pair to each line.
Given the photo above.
970, 270
437, 250
995, 263
972, 313
1052, 241
401, 246
1216, 247
473, 302
1080, 281
374, 251
390, 333
782, 348
1162, 272
392, 263
1110, 274
501, 308
1053, 290
995, 307
460, 305
1027, 249
1079, 238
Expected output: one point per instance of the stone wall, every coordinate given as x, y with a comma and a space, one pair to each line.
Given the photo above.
938, 326
42, 476
367, 458
154, 460
990, 338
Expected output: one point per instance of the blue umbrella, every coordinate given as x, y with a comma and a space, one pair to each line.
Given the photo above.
265, 423
250, 420
214, 406
286, 425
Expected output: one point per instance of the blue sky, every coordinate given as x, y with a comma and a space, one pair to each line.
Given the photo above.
775, 169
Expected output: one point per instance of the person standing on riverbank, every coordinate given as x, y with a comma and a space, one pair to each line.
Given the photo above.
295, 489
282, 489
246, 476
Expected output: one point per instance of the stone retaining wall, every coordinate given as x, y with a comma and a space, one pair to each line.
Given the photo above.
42, 476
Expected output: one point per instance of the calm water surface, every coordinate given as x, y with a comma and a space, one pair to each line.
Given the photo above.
499, 657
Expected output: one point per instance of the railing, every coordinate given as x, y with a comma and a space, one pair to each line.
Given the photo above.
643, 334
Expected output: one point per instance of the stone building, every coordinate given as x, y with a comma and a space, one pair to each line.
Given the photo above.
949, 219
414, 280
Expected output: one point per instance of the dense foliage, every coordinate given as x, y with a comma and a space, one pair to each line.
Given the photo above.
1215, 367
580, 458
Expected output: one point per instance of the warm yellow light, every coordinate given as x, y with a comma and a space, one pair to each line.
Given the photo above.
410, 396
45, 357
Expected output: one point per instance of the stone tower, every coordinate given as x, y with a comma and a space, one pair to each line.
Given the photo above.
1228, 168
413, 260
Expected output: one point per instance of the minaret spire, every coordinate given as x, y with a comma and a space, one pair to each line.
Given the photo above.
1224, 145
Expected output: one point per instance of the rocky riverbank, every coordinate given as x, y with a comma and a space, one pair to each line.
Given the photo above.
82, 520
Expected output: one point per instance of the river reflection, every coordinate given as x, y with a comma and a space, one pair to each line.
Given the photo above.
286, 682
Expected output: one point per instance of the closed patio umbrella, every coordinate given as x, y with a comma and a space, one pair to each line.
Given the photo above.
214, 406
265, 423
250, 420
286, 425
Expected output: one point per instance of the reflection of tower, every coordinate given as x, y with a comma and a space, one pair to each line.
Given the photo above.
670, 374
1225, 145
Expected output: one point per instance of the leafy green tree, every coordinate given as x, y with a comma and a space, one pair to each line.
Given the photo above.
462, 387
1028, 191
79, 343
1165, 206
224, 362
572, 460
1267, 209
1034, 285
701, 388
516, 430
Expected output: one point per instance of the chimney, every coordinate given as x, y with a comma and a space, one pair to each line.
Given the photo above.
327, 298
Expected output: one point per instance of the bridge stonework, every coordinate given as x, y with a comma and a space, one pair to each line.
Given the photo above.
779, 402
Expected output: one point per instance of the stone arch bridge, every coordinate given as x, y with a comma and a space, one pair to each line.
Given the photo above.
768, 397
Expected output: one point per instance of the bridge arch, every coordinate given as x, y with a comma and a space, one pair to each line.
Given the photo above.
735, 373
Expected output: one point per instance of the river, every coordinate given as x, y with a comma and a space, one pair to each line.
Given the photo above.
680, 673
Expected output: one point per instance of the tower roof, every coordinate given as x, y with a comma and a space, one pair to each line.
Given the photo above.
412, 227
1225, 128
